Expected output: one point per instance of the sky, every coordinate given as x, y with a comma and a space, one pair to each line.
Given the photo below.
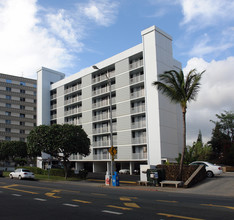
71, 35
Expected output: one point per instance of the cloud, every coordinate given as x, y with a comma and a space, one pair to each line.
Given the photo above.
214, 97
25, 44
102, 12
206, 12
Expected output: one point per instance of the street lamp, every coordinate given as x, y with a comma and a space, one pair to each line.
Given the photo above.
111, 125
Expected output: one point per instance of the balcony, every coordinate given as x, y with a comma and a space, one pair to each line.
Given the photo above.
73, 89
54, 106
138, 109
103, 143
104, 116
73, 111
103, 77
139, 156
136, 79
54, 96
140, 124
103, 129
73, 100
139, 140
103, 103
138, 94
53, 116
103, 90
136, 64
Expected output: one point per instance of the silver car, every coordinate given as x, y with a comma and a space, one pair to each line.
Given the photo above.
22, 174
211, 169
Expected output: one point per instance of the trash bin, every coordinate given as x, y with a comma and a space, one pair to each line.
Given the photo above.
155, 176
107, 179
115, 179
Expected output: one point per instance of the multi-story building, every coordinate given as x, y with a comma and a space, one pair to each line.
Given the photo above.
147, 128
17, 107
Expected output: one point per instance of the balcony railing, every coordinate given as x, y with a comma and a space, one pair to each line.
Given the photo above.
103, 129
139, 156
104, 116
139, 140
73, 100
103, 77
53, 116
73, 111
140, 124
54, 96
103, 103
73, 89
103, 90
137, 94
53, 106
136, 64
103, 143
137, 79
103, 156
138, 109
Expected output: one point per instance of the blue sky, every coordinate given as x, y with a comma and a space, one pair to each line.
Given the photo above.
70, 35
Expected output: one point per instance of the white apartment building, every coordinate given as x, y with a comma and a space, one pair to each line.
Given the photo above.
147, 127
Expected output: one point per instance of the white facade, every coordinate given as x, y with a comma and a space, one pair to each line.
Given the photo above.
147, 128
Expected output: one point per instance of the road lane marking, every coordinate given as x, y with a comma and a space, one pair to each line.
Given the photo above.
52, 195
16, 195
220, 206
131, 204
125, 199
110, 212
39, 199
19, 190
119, 207
82, 201
98, 194
71, 205
178, 216
167, 201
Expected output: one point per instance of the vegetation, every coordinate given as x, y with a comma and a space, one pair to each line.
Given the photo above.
15, 151
180, 89
60, 141
222, 140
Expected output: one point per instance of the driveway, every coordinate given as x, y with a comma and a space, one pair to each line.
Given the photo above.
222, 185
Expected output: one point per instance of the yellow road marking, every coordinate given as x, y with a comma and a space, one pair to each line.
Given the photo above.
56, 190
125, 199
167, 201
19, 190
118, 207
132, 205
52, 195
82, 201
179, 216
221, 206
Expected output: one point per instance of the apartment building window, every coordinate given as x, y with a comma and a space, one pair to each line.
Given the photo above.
34, 117
8, 80
22, 99
22, 107
8, 121
7, 130
8, 97
22, 115
8, 89
22, 83
22, 139
8, 113
22, 91
35, 101
35, 85
22, 123
7, 138
22, 131
8, 105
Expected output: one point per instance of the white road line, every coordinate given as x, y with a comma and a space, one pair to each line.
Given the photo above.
39, 199
15, 194
71, 205
110, 212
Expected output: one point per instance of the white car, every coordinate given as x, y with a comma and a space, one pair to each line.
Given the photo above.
211, 169
124, 171
22, 174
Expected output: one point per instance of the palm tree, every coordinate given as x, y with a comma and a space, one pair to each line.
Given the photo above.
180, 89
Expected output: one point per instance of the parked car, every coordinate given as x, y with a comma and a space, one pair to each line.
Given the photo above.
211, 169
124, 171
22, 174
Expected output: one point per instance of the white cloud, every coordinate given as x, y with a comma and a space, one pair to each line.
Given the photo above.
24, 44
207, 12
103, 12
215, 95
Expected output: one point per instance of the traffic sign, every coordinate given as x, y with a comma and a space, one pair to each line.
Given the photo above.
112, 151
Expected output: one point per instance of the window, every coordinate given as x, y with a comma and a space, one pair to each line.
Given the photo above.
34, 117
34, 93
7, 138
8, 80
22, 91
22, 107
22, 139
8, 105
35, 101
22, 115
8, 130
22, 99
35, 85
8, 89
8, 97
8, 113
22, 123
22, 83
8, 121
22, 131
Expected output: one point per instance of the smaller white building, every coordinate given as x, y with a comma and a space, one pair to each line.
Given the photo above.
147, 128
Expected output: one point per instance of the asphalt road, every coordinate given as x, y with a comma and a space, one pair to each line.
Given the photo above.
24, 199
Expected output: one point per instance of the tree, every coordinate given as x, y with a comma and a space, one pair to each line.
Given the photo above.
180, 89
60, 141
222, 139
13, 150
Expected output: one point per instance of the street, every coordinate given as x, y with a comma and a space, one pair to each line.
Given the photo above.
25, 199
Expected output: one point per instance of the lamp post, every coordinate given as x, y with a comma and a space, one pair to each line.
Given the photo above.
111, 124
